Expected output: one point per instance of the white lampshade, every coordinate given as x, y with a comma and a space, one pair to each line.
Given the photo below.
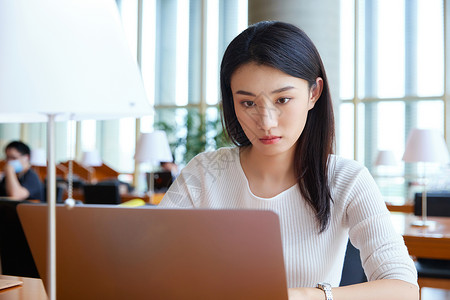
425, 145
69, 58
385, 158
91, 159
153, 147
38, 157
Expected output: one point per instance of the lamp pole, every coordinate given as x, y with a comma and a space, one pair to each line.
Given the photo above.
51, 206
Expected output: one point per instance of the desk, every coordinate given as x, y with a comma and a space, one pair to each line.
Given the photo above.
31, 289
424, 242
78, 195
399, 204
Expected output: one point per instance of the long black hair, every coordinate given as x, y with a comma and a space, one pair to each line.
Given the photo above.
287, 48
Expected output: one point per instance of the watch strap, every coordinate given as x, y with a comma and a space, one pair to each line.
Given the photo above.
326, 288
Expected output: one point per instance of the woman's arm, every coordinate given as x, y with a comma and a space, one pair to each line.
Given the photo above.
386, 289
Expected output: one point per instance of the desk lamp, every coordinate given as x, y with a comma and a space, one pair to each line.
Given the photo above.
91, 159
153, 148
65, 60
425, 146
38, 157
385, 158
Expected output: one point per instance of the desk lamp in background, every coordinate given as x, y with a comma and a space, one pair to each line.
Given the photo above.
65, 60
385, 159
152, 148
91, 159
38, 157
425, 146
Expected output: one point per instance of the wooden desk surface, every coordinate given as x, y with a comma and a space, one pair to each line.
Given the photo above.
399, 204
31, 289
425, 242
78, 195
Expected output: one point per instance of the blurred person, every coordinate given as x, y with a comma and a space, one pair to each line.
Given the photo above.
20, 181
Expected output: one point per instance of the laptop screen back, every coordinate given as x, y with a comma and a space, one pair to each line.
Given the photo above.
113, 252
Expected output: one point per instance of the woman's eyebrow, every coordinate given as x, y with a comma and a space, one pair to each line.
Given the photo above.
241, 92
283, 89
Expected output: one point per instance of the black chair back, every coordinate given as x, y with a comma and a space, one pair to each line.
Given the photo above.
352, 272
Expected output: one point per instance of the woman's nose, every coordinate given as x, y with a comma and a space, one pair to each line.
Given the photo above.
267, 116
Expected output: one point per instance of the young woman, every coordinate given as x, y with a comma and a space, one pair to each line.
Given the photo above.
277, 110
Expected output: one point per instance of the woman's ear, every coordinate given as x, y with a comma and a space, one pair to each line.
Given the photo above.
315, 92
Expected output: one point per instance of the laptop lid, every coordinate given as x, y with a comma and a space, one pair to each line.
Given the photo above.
112, 252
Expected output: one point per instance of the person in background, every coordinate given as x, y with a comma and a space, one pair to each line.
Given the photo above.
277, 109
171, 167
20, 181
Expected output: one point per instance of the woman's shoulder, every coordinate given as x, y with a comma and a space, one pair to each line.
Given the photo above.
225, 154
214, 160
341, 166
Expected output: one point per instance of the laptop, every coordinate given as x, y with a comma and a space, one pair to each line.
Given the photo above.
113, 252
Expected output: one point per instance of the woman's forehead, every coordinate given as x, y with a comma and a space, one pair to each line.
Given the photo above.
257, 78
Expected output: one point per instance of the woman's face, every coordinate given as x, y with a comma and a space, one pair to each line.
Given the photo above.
272, 106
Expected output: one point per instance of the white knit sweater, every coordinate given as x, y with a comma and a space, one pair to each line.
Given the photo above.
216, 180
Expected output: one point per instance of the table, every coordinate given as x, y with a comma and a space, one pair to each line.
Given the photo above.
399, 204
31, 289
157, 197
78, 195
424, 242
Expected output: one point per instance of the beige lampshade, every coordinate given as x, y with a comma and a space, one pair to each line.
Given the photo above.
425, 145
38, 157
385, 158
153, 147
91, 159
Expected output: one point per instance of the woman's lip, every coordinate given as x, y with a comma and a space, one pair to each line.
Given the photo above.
267, 140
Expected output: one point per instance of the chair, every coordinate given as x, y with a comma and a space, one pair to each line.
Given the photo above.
102, 193
352, 272
16, 257
161, 181
59, 194
433, 273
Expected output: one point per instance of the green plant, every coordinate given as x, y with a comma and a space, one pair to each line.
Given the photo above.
192, 135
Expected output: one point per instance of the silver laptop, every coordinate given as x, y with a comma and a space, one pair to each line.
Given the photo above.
112, 252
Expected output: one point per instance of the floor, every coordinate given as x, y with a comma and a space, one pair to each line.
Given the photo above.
435, 294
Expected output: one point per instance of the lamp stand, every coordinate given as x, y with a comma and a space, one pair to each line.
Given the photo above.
151, 187
51, 208
423, 222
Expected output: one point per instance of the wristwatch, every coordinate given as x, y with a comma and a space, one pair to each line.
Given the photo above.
326, 288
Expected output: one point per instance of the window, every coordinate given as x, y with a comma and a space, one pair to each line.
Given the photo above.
392, 79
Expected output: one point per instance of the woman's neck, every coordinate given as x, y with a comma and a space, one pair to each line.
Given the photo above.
268, 175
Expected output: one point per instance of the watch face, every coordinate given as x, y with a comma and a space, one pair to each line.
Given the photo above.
324, 286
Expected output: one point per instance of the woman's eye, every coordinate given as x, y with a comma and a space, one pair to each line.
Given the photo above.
248, 103
283, 100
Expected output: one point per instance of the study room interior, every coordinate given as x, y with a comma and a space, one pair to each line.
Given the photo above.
137, 96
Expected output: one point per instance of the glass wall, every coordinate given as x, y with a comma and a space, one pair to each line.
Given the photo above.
392, 80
